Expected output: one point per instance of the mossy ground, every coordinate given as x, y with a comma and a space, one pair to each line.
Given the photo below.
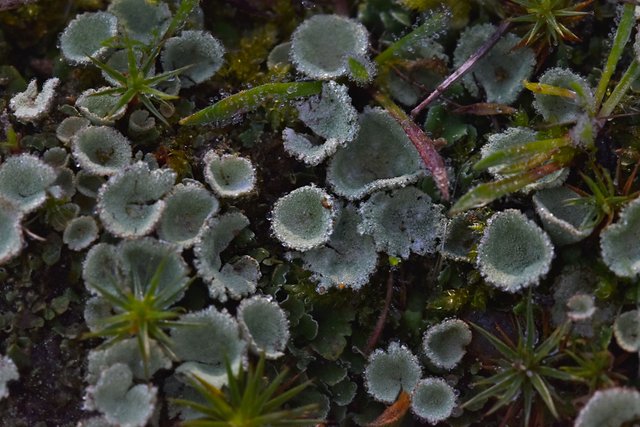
42, 295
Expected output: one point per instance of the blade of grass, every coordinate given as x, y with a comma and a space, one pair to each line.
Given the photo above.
620, 40
520, 151
226, 109
486, 193
631, 75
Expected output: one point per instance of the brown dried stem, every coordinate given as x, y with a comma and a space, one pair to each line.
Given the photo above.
463, 69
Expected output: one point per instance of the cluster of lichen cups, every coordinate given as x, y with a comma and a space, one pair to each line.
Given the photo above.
141, 233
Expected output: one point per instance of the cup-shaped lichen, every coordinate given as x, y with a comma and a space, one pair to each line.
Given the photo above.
321, 45
264, 325
101, 150
392, 371
198, 50
11, 240
99, 108
84, 36
365, 164
69, 127
330, 115
303, 219
614, 407
348, 259
126, 352
566, 221
514, 252
626, 329
235, 279
113, 268
140, 19
80, 233
187, 208
229, 175
30, 106
433, 400
501, 71
444, 343
581, 307
561, 109
619, 242
279, 56
141, 123
203, 347
570, 286
129, 203
8, 372
308, 148
24, 180
88, 184
121, 402
402, 222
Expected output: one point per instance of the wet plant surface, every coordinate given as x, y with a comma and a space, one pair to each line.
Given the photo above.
354, 212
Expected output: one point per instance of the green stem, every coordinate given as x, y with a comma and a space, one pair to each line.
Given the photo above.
486, 193
632, 73
619, 42
223, 111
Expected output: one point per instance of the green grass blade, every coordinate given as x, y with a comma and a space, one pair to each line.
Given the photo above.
510, 394
198, 407
166, 75
496, 389
486, 193
623, 32
109, 70
284, 397
497, 343
521, 151
624, 84
550, 343
124, 100
557, 374
223, 111
545, 393
115, 300
530, 331
233, 382
252, 388
153, 110
204, 423
273, 386
527, 398
214, 396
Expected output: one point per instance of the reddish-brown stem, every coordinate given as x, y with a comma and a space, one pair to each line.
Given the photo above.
425, 145
463, 69
377, 330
